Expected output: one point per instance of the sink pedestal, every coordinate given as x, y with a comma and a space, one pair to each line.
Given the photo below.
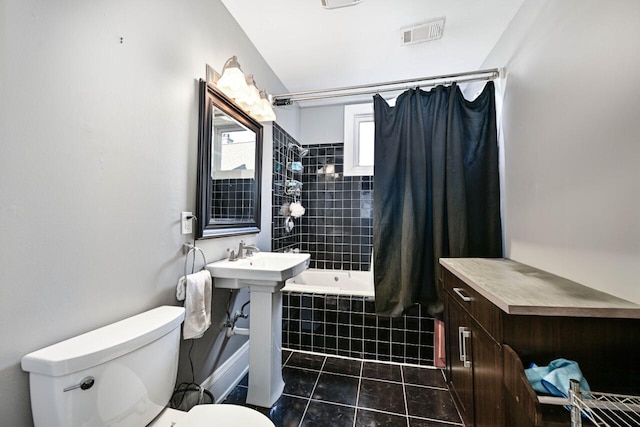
265, 274
265, 345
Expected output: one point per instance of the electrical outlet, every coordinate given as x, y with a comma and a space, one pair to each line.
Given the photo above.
186, 223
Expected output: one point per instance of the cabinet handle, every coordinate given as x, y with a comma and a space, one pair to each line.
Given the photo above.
464, 297
460, 343
466, 334
463, 334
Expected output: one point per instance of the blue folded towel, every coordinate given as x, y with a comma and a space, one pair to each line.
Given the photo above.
554, 379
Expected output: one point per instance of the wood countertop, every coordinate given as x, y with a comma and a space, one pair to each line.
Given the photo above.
524, 290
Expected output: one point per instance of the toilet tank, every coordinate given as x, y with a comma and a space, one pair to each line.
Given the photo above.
131, 364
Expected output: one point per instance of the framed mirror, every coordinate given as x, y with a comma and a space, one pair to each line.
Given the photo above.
229, 167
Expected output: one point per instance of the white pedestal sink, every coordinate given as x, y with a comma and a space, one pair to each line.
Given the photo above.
264, 273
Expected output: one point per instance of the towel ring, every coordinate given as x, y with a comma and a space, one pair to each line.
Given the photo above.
192, 250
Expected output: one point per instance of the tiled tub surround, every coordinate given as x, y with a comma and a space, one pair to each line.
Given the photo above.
332, 391
280, 238
347, 326
337, 228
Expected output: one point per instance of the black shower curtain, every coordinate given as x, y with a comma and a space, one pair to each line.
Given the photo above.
436, 191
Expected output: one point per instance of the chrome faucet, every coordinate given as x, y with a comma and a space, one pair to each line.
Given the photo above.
246, 250
240, 253
251, 249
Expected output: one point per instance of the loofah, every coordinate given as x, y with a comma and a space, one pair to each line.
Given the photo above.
296, 209
284, 209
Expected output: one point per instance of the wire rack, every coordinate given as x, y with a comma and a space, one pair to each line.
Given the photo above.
603, 409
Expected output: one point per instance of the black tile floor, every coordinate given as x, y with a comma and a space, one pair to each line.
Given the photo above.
329, 391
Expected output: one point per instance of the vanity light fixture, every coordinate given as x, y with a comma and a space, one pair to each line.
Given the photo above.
232, 82
243, 90
253, 95
262, 110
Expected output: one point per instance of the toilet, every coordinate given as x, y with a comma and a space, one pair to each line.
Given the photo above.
121, 375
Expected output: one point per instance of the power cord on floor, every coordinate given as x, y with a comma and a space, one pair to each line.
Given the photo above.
228, 323
187, 395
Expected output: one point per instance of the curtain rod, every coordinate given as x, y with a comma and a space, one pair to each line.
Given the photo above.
469, 76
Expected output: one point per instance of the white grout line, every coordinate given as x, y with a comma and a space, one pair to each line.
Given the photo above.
356, 407
404, 395
382, 380
432, 387
369, 409
355, 414
312, 390
435, 420
288, 357
384, 362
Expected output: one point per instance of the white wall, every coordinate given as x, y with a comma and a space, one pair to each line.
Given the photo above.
571, 132
322, 124
98, 145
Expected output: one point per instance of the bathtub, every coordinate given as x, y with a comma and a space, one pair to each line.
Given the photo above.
333, 282
333, 312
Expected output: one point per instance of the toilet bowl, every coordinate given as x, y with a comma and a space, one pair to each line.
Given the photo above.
122, 374
201, 416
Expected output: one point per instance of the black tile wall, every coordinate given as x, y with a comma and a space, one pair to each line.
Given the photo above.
347, 326
232, 198
337, 228
282, 240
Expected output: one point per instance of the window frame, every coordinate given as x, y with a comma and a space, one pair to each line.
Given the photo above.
355, 114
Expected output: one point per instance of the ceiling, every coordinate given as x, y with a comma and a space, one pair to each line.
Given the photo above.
309, 47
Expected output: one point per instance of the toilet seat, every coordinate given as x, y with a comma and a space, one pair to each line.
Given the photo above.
224, 415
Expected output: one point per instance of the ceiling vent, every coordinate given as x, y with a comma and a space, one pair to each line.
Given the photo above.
426, 32
334, 4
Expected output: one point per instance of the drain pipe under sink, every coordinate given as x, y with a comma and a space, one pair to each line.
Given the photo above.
231, 331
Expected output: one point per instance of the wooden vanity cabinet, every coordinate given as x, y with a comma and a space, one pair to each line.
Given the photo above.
501, 315
459, 375
474, 362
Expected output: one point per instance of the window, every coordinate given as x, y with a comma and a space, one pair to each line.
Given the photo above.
358, 139
236, 149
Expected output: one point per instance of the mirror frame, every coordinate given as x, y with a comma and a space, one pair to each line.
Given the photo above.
211, 98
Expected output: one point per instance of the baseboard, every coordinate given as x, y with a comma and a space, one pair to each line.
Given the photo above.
224, 379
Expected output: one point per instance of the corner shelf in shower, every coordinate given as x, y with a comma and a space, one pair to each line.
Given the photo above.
293, 187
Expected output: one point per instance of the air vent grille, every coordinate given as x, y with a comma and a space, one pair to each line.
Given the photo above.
428, 31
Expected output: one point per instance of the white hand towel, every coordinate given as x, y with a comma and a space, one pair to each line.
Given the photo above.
195, 290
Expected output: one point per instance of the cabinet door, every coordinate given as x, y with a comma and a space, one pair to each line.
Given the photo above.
458, 343
487, 379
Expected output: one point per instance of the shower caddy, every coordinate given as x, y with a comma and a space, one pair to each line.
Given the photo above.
293, 186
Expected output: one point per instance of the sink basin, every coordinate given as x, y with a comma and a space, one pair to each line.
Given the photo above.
261, 269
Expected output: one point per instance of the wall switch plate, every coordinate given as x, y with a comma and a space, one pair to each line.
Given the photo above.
186, 223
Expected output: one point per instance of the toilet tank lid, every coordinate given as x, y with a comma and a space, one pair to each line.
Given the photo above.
103, 344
